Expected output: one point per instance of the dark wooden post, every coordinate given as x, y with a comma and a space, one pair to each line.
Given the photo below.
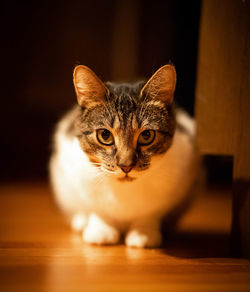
223, 101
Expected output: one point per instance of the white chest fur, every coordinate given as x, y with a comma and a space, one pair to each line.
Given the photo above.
80, 187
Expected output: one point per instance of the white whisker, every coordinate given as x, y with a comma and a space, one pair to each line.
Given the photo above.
106, 170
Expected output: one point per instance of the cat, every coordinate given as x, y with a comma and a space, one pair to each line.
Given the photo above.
121, 162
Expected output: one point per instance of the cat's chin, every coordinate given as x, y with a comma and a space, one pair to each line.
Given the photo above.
126, 178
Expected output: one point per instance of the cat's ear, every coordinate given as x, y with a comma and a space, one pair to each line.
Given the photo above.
161, 85
89, 88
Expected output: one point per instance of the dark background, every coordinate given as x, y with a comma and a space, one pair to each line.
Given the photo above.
42, 41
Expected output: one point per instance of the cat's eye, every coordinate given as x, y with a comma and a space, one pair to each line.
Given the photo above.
105, 137
146, 137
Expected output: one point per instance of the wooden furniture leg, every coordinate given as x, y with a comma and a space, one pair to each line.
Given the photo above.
223, 101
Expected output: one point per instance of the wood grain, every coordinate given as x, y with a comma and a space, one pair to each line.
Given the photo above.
222, 73
38, 251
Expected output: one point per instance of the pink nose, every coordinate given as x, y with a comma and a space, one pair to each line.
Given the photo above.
126, 169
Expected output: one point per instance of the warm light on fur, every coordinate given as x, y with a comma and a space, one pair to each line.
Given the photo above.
105, 204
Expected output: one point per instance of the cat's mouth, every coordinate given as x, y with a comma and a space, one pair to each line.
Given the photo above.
126, 178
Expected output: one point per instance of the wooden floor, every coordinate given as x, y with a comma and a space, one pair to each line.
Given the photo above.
38, 251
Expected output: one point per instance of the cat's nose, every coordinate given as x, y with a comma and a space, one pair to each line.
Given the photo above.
126, 169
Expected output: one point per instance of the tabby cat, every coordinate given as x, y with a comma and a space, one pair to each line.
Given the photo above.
121, 162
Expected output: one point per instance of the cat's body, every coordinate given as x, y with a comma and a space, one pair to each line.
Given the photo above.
131, 198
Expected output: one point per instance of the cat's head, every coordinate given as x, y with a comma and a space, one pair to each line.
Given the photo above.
121, 127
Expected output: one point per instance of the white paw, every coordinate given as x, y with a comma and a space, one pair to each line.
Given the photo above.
78, 222
98, 232
137, 238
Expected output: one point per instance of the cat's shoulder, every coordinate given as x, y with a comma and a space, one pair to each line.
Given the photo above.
66, 124
185, 123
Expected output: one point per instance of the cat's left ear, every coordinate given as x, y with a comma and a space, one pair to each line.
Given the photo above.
161, 85
89, 88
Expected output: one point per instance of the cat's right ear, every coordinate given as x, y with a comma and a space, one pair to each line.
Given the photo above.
89, 88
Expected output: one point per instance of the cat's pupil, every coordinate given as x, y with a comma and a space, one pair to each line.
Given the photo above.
146, 134
106, 134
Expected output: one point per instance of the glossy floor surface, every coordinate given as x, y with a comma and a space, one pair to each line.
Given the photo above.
38, 251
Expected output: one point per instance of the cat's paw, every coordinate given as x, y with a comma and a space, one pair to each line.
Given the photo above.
78, 222
98, 232
107, 235
137, 238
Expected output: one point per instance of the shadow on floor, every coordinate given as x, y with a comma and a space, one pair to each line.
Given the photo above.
197, 245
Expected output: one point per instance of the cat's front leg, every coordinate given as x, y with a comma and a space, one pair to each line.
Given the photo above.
144, 233
78, 221
98, 231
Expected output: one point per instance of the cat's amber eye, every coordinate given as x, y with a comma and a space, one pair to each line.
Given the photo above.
146, 137
105, 137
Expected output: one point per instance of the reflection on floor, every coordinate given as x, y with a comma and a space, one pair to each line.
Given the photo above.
38, 251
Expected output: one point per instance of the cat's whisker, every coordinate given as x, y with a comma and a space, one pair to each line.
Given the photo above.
98, 170
106, 170
96, 163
